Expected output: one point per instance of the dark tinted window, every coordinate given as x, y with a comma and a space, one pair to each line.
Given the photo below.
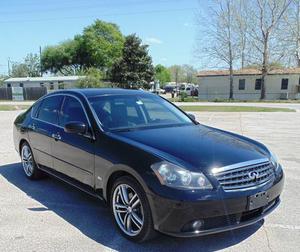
242, 84
72, 111
130, 111
49, 109
258, 84
284, 84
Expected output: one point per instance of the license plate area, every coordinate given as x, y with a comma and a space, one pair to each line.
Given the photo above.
258, 200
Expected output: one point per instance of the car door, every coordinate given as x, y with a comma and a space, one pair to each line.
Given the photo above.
44, 122
73, 154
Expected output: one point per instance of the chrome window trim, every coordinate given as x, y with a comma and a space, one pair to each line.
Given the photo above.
217, 170
56, 125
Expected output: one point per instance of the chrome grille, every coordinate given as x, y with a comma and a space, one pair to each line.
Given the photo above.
240, 178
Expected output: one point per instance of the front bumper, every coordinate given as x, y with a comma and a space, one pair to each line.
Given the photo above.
202, 217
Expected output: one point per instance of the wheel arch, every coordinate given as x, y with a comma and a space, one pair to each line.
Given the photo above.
117, 172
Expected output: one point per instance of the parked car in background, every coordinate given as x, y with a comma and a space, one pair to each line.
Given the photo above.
189, 89
155, 166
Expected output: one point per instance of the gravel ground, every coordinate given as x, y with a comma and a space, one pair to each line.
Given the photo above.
48, 215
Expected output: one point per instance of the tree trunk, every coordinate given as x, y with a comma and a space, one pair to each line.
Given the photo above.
231, 82
264, 71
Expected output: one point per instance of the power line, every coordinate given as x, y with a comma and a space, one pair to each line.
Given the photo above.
98, 16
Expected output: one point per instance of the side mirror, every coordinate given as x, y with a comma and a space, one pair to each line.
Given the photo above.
75, 127
192, 117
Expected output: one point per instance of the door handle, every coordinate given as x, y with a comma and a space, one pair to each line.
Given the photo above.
56, 136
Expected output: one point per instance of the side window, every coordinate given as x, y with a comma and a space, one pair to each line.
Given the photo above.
35, 108
72, 111
49, 108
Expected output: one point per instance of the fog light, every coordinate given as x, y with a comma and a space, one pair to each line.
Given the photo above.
193, 226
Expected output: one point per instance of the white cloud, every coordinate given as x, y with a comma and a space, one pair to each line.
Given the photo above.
163, 59
152, 41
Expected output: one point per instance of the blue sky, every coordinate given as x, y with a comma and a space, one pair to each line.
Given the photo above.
167, 25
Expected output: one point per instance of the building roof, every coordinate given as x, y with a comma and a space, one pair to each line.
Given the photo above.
247, 71
44, 79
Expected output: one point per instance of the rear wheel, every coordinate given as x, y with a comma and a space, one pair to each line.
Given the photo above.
28, 163
131, 210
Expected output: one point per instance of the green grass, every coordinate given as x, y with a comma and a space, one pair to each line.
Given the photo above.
195, 99
233, 109
13, 107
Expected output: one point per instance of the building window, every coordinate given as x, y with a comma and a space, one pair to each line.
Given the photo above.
258, 84
242, 84
51, 86
284, 84
8, 85
21, 85
61, 85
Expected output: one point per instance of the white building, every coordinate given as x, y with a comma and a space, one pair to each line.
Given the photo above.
280, 84
51, 83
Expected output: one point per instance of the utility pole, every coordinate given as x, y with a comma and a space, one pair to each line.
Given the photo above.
8, 66
41, 71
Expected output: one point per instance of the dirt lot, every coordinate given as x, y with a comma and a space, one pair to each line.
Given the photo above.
48, 215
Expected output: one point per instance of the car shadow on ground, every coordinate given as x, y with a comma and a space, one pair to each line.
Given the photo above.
93, 219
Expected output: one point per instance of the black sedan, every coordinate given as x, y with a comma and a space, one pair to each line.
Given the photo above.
155, 166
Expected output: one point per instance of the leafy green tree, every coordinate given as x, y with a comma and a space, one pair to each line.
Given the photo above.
98, 46
102, 44
162, 74
93, 79
29, 68
134, 69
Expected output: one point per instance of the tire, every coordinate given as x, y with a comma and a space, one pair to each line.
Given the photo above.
29, 166
135, 206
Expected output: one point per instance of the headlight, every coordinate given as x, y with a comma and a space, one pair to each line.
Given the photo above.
177, 177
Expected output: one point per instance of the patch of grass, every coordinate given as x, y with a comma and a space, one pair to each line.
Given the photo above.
13, 107
233, 109
195, 99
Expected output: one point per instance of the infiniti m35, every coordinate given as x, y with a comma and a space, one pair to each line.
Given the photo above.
156, 167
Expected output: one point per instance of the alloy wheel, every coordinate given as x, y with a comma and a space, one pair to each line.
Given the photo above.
27, 160
128, 210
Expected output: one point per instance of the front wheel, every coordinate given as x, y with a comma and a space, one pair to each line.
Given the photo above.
28, 163
131, 210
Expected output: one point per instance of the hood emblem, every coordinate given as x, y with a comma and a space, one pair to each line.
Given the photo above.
253, 175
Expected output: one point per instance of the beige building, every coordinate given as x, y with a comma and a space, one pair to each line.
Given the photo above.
50, 82
280, 84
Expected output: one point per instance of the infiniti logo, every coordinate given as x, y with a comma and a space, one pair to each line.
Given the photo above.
253, 175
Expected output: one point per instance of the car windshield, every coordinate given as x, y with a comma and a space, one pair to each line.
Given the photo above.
124, 112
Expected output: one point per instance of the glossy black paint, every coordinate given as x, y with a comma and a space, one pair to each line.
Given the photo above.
91, 160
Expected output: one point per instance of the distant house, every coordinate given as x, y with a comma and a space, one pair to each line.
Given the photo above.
51, 83
280, 84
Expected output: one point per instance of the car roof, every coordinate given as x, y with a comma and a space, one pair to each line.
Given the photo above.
92, 92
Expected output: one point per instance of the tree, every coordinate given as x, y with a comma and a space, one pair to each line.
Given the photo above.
98, 46
93, 79
162, 74
134, 68
265, 24
291, 36
102, 44
189, 74
29, 68
220, 37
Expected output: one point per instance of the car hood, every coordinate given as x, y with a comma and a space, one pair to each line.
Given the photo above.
196, 147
